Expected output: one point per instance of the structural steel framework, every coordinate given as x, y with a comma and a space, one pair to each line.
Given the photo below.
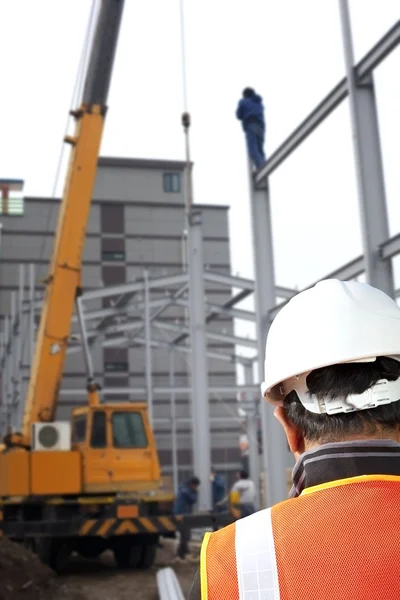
134, 317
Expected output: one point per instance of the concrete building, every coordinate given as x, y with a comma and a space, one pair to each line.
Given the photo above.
136, 222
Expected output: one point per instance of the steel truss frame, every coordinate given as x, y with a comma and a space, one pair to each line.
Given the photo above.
137, 316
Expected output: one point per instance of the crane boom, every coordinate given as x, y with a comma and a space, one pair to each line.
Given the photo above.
64, 280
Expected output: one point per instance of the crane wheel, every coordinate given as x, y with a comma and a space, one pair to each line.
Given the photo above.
127, 554
149, 551
54, 553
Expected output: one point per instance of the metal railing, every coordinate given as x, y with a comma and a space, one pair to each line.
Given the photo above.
168, 585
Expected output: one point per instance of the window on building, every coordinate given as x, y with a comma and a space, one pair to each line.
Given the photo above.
99, 432
112, 218
116, 367
12, 206
113, 249
113, 256
128, 430
172, 182
79, 423
11, 197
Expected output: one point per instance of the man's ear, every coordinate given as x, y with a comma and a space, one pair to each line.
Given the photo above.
293, 434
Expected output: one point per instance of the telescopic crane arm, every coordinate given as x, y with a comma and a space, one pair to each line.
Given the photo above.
64, 280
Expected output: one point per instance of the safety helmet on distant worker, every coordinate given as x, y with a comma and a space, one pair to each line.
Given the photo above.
331, 323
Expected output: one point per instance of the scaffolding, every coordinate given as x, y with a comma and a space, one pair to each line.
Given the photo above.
135, 314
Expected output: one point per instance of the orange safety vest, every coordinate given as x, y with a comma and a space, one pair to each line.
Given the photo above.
339, 540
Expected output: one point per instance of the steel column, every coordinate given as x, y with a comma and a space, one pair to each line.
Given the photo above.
31, 312
7, 368
252, 405
3, 418
18, 399
368, 165
199, 371
87, 357
274, 445
147, 329
174, 449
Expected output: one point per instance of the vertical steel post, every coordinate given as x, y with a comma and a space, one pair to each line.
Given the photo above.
18, 403
87, 357
174, 445
199, 370
251, 414
2, 412
368, 163
274, 444
7, 368
13, 357
31, 312
147, 327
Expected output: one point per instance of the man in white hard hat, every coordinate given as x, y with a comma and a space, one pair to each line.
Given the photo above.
332, 370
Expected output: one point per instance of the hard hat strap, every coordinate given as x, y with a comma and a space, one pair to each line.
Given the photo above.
383, 392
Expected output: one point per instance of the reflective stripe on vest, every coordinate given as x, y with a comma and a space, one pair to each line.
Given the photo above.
255, 558
251, 556
338, 540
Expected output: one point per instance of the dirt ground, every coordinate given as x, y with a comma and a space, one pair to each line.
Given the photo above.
23, 577
100, 580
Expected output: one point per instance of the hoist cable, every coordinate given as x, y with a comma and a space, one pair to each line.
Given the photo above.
183, 56
185, 117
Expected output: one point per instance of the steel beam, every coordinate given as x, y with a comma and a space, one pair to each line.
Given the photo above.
234, 313
199, 370
166, 391
252, 419
87, 357
124, 341
125, 310
378, 53
219, 337
18, 399
174, 445
31, 312
148, 361
368, 163
240, 282
214, 315
274, 444
363, 69
126, 288
390, 248
349, 271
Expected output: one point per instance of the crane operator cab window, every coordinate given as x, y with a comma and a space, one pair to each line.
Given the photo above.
128, 430
79, 427
98, 438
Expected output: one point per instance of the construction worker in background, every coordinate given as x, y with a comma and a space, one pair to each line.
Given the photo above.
250, 112
243, 494
185, 500
332, 370
218, 490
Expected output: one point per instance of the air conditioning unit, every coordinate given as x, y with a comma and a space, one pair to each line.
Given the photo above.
51, 436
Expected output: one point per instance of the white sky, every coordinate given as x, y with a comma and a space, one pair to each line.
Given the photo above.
290, 51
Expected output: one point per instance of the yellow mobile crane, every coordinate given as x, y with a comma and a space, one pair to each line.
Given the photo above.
102, 488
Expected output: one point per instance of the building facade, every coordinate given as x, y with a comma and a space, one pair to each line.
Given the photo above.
136, 222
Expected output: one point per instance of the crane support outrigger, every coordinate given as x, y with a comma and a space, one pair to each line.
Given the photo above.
100, 485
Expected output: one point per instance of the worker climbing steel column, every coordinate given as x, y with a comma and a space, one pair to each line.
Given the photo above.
250, 112
332, 369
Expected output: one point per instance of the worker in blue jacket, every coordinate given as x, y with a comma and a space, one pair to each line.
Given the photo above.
250, 112
218, 489
185, 500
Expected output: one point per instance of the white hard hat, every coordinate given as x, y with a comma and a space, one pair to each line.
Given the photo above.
333, 322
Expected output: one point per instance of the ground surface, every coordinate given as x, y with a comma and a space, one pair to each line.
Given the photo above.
23, 577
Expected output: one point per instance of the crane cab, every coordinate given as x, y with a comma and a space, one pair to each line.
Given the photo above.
117, 447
